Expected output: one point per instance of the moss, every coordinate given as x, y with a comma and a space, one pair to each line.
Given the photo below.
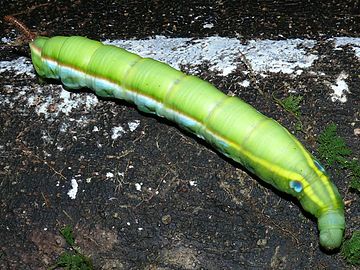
351, 249
73, 259
333, 150
292, 105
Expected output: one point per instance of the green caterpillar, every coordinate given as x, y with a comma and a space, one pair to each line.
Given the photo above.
232, 126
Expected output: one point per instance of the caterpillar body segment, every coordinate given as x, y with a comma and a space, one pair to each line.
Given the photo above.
232, 126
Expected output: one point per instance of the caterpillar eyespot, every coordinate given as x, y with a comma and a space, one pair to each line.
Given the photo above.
229, 124
319, 166
296, 186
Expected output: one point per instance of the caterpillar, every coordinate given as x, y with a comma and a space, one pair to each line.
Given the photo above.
232, 126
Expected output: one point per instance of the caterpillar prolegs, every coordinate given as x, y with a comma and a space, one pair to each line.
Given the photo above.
232, 126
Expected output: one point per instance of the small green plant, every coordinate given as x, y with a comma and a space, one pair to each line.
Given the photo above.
291, 104
351, 249
355, 177
67, 233
74, 259
333, 149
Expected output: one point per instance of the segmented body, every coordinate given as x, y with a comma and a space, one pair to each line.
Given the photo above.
232, 126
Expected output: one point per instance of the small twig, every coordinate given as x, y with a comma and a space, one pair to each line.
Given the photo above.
349, 202
66, 214
252, 75
46, 200
121, 178
147, 200
28, 152
20, 26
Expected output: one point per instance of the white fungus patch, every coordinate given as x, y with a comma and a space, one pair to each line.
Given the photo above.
245, 83
223, 54
284, 56
74, 189
109, 175
117, 132
6, 40
138, 186
70, 101
340, 88
192, 183
50, 100
344, 41
208, 25
133, 125
63, 127
20, 67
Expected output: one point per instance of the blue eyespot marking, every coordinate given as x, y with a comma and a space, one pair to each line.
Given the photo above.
318, 165
296, 185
